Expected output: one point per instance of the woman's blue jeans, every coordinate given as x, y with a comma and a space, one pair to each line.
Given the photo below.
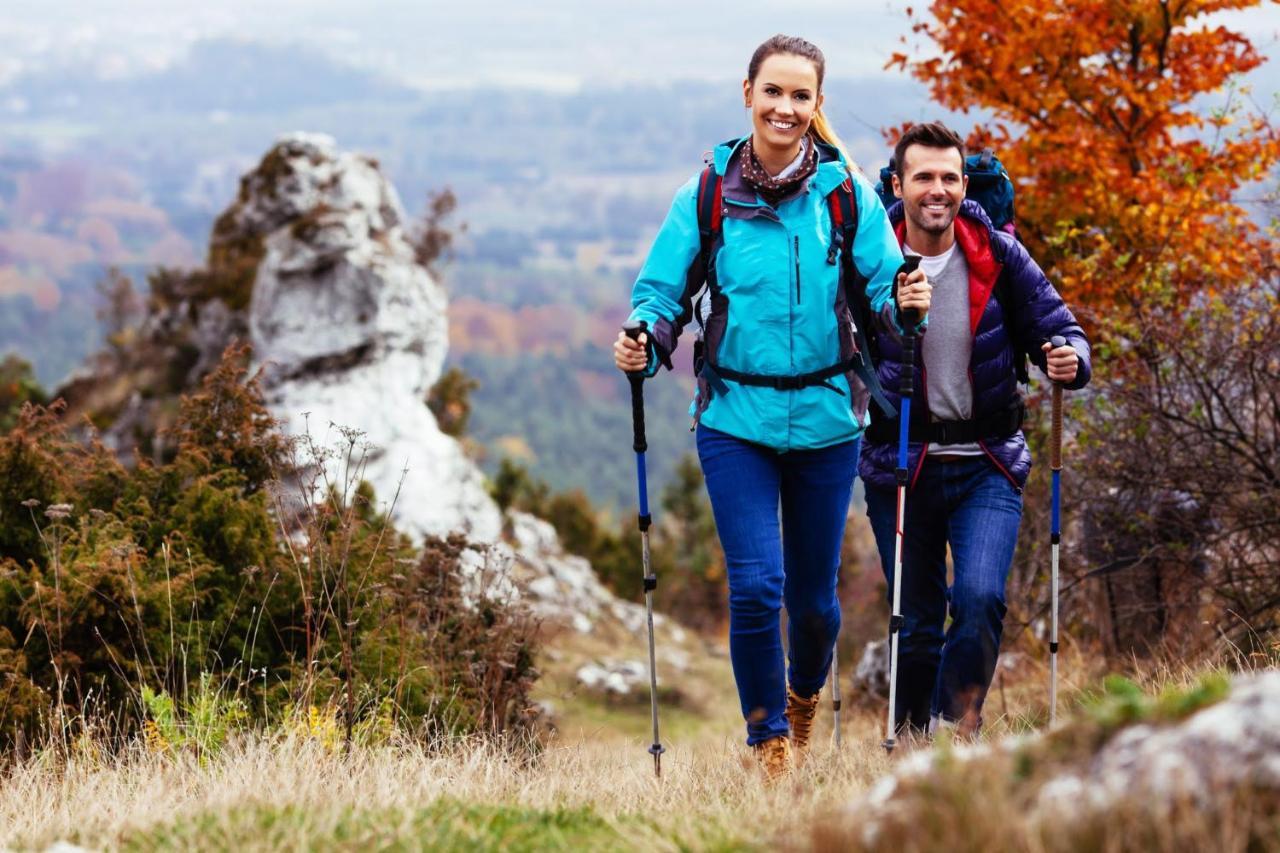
972, 507
751, 488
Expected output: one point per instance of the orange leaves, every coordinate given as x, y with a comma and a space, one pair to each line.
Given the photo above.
1126, 180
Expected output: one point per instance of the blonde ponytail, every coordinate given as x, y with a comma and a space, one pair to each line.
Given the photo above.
823, 132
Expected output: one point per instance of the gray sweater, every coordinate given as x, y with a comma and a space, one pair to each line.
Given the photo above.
947, 345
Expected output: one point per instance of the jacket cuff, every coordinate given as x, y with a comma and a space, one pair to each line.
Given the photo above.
662, 343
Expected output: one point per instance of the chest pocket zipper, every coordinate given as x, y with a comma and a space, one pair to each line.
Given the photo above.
797, 248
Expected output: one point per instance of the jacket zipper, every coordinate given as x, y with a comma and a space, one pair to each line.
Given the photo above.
797, 248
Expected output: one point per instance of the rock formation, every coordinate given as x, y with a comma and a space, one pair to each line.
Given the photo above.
312, 266
1082, 776
351, 329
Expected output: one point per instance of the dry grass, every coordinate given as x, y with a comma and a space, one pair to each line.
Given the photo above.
264, 793
592, 788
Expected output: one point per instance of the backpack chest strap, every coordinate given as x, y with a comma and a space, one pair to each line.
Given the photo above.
791, 382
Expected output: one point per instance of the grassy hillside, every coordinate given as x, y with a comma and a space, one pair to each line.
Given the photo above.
287, 790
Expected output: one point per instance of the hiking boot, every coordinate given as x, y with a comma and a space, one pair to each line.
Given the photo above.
800, 714
774, 756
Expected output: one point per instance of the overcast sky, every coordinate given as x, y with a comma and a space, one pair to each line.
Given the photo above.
545, 43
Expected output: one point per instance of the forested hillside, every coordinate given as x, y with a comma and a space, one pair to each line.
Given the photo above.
558, 197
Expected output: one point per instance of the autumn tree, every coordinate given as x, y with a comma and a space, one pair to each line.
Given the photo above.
18, 385
1129, 195
1127, 184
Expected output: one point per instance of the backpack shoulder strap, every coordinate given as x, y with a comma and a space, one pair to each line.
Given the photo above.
844, 212
710, 207
844, 231
1000, 293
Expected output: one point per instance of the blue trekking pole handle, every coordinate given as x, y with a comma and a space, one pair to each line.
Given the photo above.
907, 376
1055, 437
896, 621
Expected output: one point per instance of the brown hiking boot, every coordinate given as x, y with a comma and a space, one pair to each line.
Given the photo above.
774, 756
800, 714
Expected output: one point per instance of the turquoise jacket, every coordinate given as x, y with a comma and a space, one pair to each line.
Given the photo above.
774, 304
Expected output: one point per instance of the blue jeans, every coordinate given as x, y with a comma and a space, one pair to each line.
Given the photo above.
974, 508
767, 565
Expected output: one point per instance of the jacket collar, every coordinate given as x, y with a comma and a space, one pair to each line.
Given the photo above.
831, 172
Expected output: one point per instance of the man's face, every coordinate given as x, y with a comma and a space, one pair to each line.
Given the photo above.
931, 183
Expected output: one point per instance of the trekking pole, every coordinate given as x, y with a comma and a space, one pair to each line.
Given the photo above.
907, 381
835, 687
1055, 534
633, 329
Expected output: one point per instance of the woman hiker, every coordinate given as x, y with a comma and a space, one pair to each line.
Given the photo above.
781, 404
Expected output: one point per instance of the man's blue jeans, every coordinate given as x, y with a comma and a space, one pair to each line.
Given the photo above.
767, 566
972, 507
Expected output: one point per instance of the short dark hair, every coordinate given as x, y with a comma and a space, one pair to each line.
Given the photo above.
932, 134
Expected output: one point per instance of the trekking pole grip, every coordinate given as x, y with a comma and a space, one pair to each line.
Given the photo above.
910, 317
633, 330
1055, 428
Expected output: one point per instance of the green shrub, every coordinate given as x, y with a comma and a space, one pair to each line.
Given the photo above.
236, 582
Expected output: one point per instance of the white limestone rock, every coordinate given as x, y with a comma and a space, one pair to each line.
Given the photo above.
351, 330
1214, 754
564, 588
1233, 743
616, 678
485, 570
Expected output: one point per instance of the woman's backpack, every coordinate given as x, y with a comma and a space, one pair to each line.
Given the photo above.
844, 221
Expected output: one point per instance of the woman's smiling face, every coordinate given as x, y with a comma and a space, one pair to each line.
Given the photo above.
783, 98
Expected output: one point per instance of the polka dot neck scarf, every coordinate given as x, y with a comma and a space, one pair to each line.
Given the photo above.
774, 189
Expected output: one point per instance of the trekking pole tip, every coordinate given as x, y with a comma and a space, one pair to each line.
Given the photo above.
888, 744
656, 751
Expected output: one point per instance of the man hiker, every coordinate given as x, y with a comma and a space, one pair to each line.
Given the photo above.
967, 457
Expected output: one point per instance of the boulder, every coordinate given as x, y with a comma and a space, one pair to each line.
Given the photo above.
350, 330
1086, 777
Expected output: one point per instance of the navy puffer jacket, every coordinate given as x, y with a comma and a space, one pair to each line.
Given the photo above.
1038, 314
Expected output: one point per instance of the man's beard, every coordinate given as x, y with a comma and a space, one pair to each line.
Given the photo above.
918, 218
